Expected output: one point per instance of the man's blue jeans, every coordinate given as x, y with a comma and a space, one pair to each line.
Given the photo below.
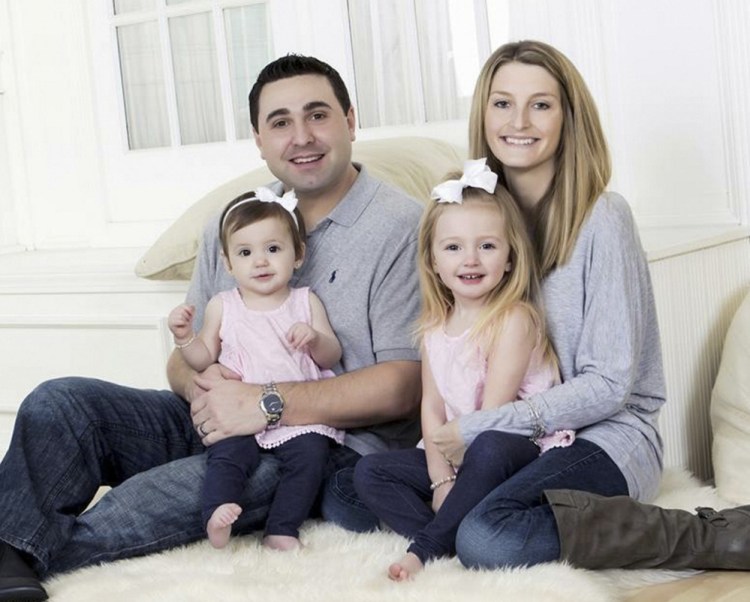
74, 434
514, 526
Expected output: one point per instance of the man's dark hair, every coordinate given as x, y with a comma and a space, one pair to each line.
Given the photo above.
292, 65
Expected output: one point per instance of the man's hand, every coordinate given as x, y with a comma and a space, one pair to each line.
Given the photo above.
214, 373
226, 408
450, 443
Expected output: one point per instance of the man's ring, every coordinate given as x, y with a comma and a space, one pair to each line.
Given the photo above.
200, 429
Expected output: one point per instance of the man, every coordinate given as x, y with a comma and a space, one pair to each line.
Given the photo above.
73, 435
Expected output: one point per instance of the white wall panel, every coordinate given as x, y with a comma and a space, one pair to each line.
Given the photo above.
665, 63
14, 226
125, 350
732, 34
54, 109
697, 294
81, 313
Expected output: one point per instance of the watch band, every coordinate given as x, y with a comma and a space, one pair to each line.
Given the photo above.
270, 388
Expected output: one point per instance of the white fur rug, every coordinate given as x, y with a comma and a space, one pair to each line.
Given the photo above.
336, 565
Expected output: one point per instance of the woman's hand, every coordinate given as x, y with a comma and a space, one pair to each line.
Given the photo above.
450, 443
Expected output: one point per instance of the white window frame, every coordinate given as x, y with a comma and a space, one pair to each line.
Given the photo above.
162, 14
143, 191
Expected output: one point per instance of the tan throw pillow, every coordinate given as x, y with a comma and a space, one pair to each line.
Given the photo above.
730, 411
413, 164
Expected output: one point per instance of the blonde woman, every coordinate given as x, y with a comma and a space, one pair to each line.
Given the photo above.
535, 120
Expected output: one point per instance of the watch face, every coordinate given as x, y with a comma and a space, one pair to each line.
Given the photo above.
273, 403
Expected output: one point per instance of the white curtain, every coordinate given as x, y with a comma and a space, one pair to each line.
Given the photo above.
384, 67
404, 60
438, 65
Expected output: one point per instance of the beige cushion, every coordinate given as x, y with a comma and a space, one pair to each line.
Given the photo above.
413, 164
730, 411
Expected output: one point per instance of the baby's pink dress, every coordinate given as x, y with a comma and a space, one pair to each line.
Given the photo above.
459, 370
254, 345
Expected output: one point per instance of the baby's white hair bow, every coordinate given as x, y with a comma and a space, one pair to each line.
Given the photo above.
266, 195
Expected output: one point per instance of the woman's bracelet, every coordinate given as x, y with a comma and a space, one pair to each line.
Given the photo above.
436, 484
190, 341
538, 428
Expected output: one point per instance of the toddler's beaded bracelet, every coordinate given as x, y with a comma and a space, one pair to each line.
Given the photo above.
437, 484
183, 345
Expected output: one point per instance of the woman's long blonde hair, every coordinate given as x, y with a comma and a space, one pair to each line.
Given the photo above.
519, 286
583, 165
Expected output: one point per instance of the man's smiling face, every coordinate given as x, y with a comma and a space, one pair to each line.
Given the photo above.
304, 135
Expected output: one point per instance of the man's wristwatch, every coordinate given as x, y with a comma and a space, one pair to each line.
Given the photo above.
271, 403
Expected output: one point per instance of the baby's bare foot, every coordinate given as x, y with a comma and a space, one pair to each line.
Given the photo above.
219, 526
282, 542
406, 568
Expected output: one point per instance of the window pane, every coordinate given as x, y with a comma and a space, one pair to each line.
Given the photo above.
173, 2
196, 79
248, 45
129, 6
143, 85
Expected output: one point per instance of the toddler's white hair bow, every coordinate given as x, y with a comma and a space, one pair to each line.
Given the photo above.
266, 195
476, 174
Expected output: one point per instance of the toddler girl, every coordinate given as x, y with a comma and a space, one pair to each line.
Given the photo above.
264, 331
483, 345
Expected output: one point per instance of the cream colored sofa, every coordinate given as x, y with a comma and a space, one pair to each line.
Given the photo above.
730, 419
415, 164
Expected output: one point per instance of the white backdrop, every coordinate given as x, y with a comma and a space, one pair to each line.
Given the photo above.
671, 78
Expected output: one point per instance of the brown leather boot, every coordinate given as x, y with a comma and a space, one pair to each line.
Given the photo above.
18, 582
599, 532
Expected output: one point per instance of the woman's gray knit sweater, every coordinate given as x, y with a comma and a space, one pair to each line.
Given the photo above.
602, 322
